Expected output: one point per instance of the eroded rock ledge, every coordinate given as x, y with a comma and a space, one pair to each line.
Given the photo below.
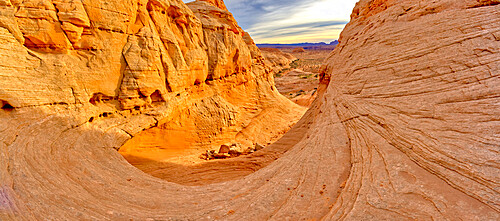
406, 129
156, 62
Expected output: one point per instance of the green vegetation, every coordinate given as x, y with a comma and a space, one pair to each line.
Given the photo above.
307, 76
295, 64
309, 65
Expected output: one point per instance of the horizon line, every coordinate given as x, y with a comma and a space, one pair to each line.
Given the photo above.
296, 43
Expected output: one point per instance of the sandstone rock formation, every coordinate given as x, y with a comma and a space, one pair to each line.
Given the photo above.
277, 59
237, 101
299, 50
151, 60
405, 126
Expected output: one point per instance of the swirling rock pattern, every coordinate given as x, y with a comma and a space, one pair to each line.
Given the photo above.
405, 128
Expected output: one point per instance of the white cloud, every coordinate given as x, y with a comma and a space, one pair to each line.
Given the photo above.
316, 12
291, 21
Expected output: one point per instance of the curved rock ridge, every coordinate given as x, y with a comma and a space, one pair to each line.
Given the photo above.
405, 127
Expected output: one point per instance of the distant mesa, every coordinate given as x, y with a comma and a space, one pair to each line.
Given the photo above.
299, 50
306, 45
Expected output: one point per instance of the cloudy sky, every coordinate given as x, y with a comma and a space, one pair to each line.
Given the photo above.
291, 21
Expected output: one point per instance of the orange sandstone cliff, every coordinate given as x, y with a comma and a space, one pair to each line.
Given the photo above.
235, 103
405, 126
141, 64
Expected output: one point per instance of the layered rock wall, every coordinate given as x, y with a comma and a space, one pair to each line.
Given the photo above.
149, 59
236, 102
124, 50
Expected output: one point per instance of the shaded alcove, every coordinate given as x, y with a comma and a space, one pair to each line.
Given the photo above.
6, 106
217, 171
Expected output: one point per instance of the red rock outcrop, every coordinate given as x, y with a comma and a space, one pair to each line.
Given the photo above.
405, 126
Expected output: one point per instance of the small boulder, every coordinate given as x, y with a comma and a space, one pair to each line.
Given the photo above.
237, 147
258, 147
224, 149
234, 152
209, 155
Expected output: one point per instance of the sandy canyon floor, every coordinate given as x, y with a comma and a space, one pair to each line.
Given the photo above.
299, 81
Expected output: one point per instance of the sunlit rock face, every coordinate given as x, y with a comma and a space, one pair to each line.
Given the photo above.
405, 125
156, 61
235, 102
132, 52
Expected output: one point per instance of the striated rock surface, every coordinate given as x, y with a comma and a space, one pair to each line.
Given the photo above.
405, 126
